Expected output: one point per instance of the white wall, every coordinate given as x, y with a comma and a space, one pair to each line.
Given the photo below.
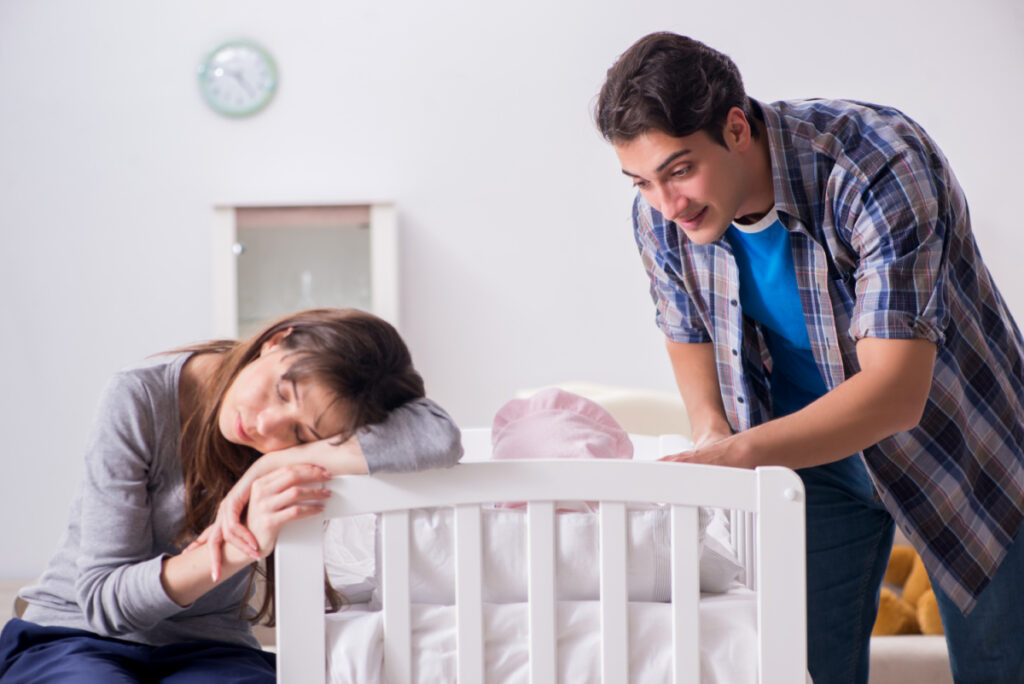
517, 257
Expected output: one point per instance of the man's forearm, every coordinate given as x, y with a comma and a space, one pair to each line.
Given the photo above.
887, 396
696, 376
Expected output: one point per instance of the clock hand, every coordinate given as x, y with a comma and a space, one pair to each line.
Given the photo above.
240, 79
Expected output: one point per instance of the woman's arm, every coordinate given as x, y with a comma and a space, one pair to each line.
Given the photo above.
415, 436
326, 457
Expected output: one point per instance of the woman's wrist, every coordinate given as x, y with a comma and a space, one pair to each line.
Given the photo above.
187, 576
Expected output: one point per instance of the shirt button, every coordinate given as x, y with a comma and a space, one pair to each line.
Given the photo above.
733, 302
739, 399
735, 353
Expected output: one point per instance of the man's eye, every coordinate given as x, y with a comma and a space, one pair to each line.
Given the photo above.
639, 184
280, 392
682, 171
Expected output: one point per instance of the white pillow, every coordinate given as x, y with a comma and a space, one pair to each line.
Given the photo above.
350, 553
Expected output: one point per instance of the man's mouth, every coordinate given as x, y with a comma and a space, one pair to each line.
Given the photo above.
693, 220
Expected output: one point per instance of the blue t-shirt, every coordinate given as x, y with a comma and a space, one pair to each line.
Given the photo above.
769, 295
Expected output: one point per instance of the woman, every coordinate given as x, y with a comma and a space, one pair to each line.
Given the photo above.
322, 392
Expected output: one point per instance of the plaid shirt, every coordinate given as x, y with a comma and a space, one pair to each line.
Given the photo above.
882, 247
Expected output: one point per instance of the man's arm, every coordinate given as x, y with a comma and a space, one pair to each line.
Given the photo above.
697, 378
887, 396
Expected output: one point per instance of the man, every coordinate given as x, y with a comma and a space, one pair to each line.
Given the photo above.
826, 308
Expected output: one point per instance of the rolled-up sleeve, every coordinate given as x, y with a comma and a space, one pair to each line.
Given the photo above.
900, 232
415, 436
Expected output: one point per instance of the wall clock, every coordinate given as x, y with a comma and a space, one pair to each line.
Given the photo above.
238, 78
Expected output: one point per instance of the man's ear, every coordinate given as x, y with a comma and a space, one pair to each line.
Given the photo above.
275, 341
737, 130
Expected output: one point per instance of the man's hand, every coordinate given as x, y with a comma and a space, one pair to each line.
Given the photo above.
717, 450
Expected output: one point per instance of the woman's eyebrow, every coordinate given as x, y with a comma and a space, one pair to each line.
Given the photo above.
298, 400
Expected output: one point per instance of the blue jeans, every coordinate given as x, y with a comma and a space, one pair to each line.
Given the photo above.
985, 646
849, 538
34, 654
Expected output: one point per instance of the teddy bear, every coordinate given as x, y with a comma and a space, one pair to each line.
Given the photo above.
914, 609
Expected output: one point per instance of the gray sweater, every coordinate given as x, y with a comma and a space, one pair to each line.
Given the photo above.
130, 506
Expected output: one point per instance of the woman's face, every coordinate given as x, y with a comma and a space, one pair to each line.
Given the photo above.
268, 412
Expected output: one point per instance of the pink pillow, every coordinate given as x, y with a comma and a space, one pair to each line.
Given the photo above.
554, 423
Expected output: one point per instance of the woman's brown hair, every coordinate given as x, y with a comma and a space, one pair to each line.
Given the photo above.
359, 357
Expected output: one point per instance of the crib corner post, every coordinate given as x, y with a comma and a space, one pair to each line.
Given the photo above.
299, 593
781, 572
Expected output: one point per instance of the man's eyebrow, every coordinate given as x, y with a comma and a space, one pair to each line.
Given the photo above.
661, 167
672, 157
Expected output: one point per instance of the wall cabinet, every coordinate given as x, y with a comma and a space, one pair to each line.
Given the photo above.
273, 260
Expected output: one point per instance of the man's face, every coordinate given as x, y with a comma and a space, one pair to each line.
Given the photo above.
693, 181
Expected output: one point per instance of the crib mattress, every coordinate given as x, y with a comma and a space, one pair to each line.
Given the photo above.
728, 642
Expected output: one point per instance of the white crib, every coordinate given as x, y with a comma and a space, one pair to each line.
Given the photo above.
770, 497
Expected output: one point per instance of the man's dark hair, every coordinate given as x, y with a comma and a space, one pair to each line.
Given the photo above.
673, 84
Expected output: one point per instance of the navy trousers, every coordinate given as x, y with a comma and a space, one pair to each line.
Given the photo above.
45, 655
849, 535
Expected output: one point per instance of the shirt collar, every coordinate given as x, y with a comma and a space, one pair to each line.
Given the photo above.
786, 170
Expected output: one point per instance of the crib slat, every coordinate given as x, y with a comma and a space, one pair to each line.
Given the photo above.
468, 594
540, 536
614, 598
685, 596
743, 534
394, 536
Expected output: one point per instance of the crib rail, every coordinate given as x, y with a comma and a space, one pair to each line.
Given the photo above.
774, 494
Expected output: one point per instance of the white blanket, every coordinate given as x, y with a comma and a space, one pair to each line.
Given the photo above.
728, 642
350, 556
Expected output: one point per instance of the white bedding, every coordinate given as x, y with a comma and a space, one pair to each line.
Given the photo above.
728, 642
350, 555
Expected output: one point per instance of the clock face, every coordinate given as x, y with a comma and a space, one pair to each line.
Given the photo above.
238, 78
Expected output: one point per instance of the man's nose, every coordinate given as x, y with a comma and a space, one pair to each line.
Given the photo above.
674, 204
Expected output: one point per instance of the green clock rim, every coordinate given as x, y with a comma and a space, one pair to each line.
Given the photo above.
245, 111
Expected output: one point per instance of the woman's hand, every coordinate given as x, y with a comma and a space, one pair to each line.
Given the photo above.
286, 493
289, 493
227, 527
